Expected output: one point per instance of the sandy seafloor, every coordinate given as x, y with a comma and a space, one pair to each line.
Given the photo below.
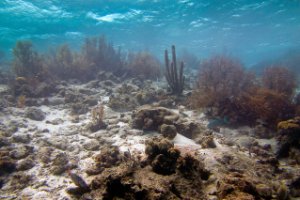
65, 133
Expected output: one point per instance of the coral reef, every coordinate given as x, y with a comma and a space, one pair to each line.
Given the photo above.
174, 77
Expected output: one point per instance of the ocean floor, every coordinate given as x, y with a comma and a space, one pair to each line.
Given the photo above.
47, 139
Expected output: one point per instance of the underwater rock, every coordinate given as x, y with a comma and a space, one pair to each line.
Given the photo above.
264, 191
189, 129
294, 187
56, 121
290, 125
35, 114
127, 88
20, 86
44, 154
110, 156
79, 108
162, 155
189, 166
294, 154
7, 164
151, 118
236, 186
55, 101
93, 127
263, 132
206, 141
157, 146
4, 142
91, 145
25, 164
288, 136
59, 164
44, 89
122, 102
165, 164
72, 97
21, 152
245, 142
168, 131
90, 101
20, 180
59, 143
21, 138
146, 96
81, 188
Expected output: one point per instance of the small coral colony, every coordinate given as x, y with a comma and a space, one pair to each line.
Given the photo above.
228, 94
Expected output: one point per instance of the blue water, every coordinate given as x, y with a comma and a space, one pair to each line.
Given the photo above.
250, 30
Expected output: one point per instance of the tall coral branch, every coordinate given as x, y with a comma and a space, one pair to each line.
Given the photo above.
174, 77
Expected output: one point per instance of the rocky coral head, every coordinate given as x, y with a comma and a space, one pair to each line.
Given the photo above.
151, 118
190, 166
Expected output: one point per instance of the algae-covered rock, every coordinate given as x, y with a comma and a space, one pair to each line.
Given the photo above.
189, 166
168, 131
160, 176
110, 156
151, 118
35, 114
236, 186
288, 136
291, 124
59, 164
122, 102
25, 164
21, 152
189, 129
21, 138
91, 145
165, 163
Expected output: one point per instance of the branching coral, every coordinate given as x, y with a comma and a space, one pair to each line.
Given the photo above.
174, 77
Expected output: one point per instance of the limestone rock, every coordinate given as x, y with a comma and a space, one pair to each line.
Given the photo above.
168, 131
35, 114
